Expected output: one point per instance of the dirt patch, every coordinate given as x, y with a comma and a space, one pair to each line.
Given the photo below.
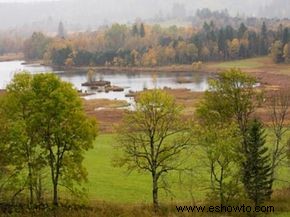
108, 112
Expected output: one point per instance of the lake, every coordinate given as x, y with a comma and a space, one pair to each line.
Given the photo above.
130, 81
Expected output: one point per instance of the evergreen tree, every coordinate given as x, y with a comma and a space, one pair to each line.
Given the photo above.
142, 30
229, 32
242, 30
253, 43
263, 45
61, 31
222, 45
280, 32
285, 37
243, 51
135, 30
257, 166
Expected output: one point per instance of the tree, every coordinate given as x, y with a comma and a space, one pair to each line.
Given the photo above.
23, 139
142, 30
60, 55
232, 95
135, 57
153, 137
234, 47
169, 54
242, 30
35, 47
65, 131
278, 106
286, 36
257, 166
150, 58
263, 44
61, 31
115, 36
91, 76
191, 52
220, 140
5, 159
135, 31
286, 53
181, 52
277, 52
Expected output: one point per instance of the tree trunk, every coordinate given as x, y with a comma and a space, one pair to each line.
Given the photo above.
155, 192
55, 193
30, 184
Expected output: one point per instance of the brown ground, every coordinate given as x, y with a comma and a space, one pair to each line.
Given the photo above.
109, 113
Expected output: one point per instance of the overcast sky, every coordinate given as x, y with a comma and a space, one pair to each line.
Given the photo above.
25, 0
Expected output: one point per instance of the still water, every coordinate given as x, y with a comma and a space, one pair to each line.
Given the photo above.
130, 81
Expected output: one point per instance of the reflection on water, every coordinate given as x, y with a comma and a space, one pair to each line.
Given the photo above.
134, 81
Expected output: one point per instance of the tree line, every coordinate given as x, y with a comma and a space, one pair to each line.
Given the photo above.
145, 45
45, 133
280, 50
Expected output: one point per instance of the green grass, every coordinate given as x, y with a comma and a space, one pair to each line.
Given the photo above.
243, 64
110, 183
115, 184
285, 214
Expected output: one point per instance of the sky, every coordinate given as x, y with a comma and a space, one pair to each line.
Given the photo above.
84, 14
26, 0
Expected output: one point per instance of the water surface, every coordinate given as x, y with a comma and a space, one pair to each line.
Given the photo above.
130, 81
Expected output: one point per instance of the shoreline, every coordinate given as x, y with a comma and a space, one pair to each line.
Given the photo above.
11, 57
169, 68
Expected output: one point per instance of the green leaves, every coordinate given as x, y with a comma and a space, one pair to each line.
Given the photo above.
257, 171
153, 137
47, 128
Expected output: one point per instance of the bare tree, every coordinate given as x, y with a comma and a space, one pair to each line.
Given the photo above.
279, 105
153, 137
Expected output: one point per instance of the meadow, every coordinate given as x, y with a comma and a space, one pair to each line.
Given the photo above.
114, 192
258, 64
110, 184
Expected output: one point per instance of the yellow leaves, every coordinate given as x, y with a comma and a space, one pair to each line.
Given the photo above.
234, 47
286, 53
135, 58
205, 52
169, 52
118, 61
150, 58
69, 62
197, 65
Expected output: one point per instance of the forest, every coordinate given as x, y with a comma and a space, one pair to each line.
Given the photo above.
213, 36
145, 45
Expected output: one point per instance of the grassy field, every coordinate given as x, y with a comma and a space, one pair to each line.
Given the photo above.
243, 64
114, 184
258, 64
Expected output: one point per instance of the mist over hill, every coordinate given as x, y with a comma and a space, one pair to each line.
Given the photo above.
89, 14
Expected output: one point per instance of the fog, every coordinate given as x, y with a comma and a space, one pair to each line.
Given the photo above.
89, 14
